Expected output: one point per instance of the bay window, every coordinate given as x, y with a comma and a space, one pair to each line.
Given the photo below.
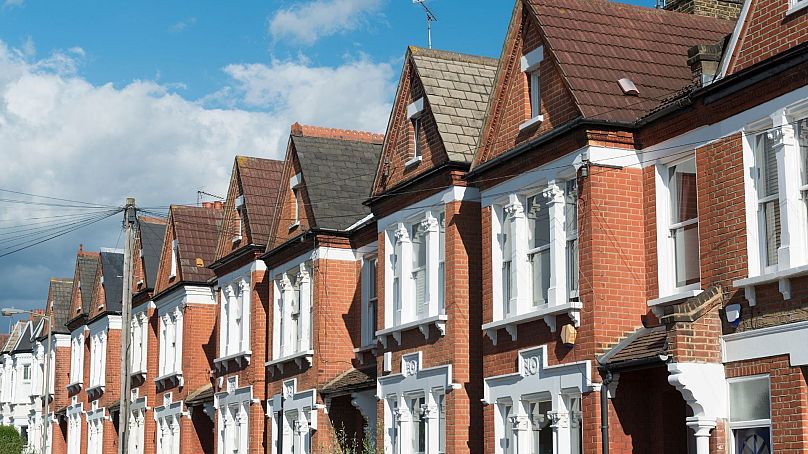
776, 206
233, 428
415, 259
750, 414
139, 341
95, 430
768, 192
684, 222
369, 300
293, 312
168, 435
535, 247
98, 358
171, 330
234, 325
77, 358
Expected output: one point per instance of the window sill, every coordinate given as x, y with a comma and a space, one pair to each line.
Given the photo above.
167, 381
235, 239
223, 363
680, 294
797, 7
533, 121
74, 387
782, 277
412, 162
94, 392
294, 225
423, 324
303, 358
361, 353
548, 313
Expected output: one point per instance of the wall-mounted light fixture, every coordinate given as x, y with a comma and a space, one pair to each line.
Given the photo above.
568, 335
733, 314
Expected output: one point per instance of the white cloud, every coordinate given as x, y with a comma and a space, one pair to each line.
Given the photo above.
307, 22
182, 25
63, 136
12, 3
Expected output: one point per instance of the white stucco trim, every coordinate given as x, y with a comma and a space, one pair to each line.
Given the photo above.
451, 194
729, 52
534, 375
415, 108
143, 307
184, 295
233, 397
531, 60
789, 339
104, 323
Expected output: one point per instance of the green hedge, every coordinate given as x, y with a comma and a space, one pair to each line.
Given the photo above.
10, 440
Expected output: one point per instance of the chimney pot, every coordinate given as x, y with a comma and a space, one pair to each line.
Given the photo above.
207, 204
218, 205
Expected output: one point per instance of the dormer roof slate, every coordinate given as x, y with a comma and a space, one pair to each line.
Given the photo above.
457, 87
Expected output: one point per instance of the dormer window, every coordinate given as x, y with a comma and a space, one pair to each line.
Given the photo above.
530, 66
415, 112
295, 185
173, 259
239, 207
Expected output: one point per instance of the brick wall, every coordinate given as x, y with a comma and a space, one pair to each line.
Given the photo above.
400, 144
285, 216
511, 104
768, 31
722, 9
789, 409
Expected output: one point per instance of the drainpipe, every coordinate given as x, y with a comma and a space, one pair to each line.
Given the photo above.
604, 411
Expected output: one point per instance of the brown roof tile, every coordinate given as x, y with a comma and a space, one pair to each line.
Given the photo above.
645, 343
597, 42
350, 380
196, 230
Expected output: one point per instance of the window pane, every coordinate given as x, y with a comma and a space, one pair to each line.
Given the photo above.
538, 221
506, 286
571, 208
768, 173
418, 246
771, 230
686, 248
505, 443
372, 264
749, 400
756, 440
541, 432
802, 139
540, 263
682, 184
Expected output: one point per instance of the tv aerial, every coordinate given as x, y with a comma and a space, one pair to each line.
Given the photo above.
430, 17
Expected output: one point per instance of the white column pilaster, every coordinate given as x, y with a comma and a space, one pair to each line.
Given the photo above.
557, 293
792, 233
520, 267
431, 231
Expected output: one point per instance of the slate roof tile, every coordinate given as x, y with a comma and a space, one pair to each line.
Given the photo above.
450, 80
59, 299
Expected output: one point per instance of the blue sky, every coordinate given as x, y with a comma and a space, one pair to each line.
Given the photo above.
172, 90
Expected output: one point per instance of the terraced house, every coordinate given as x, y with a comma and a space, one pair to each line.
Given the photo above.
597, 243
242, 296
428, 227
185, 309
321, 260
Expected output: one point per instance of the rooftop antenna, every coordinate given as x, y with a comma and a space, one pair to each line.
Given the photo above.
430, 17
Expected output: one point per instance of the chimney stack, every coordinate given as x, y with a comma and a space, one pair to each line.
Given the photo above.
703, 61
218, 205
207, 204
721, 9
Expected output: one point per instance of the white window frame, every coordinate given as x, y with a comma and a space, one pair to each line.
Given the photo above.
293, 417
415, 111
666, 254
295, 185
563, 385
98, 359
167, 428
796, 5
137, 422
239, 208
792, 255
74, 412
415, 382
758, 423
170, 323
174, 253
233, 410
401, 301
530, 63
139, 338
77, 356
234, 316
509, 212
293, 303
370, 269
95, 430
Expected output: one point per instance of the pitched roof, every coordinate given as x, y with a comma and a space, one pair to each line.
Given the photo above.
351, 380
87, 264
3, 340
112, 271
24, 343
151, 241
645, 343
14, 335
258, 180
457, 87
196, 230
338, 175
59, 301
597, 42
